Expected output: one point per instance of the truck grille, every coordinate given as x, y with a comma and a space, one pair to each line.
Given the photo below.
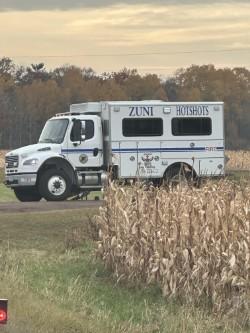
11, 161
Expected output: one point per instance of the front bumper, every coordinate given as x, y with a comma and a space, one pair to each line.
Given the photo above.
23, 179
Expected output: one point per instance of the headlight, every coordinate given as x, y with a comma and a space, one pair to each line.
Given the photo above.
32, 161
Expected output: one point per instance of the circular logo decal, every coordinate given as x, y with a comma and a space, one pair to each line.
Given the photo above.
83, 158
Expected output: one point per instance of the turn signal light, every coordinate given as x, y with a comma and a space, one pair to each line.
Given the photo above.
3, 311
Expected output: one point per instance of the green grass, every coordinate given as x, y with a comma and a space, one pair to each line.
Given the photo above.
238, 175
1, 175
6, 194
55, 283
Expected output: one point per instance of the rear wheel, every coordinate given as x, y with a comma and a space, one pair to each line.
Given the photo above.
55, 185
27, 194
179, 175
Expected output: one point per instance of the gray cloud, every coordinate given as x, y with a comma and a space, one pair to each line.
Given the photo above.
26, 5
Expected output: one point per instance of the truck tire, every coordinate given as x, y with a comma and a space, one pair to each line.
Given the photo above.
177, 176
55, 185
171, 176
27, 194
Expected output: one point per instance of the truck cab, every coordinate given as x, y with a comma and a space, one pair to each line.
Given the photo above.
66, 160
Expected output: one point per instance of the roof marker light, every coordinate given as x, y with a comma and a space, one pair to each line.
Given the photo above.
167, 110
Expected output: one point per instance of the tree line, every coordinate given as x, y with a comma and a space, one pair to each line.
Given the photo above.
30, 95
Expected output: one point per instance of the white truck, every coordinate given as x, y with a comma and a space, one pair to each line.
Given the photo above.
146, 140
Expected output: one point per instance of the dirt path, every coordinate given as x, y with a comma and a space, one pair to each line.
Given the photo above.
44, 206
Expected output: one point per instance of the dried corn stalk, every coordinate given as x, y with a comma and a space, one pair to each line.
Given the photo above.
195, 243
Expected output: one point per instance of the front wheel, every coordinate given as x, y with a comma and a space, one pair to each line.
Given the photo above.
55, 185
27, 194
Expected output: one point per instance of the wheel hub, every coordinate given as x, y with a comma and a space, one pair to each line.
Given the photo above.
57, 185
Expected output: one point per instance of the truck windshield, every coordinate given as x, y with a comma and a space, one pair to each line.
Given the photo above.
54, 131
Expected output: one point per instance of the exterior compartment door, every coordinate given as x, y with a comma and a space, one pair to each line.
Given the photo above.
129, 159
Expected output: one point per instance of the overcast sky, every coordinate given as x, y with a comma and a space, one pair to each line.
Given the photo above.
152, 36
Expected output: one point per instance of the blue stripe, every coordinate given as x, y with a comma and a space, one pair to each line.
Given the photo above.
162, 150
69, 151
131, 150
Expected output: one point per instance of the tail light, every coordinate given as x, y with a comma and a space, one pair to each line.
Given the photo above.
3, 311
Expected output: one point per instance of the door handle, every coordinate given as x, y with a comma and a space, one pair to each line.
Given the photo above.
95, 151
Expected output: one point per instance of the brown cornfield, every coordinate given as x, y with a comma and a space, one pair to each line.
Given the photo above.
194, 243
2, 154
238, 160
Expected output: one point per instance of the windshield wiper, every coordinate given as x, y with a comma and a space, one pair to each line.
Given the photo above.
48, 141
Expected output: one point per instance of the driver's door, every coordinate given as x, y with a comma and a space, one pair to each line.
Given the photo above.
88, 152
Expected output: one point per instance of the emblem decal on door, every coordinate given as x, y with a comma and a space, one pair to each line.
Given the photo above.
83, 158
149, 165
147, 158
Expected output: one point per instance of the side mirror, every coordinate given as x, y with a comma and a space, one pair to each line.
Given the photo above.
76, 134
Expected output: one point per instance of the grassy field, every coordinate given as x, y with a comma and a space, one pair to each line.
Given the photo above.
6, 195
54, 283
